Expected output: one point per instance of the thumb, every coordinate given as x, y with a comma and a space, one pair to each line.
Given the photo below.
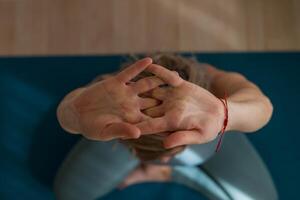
121, 130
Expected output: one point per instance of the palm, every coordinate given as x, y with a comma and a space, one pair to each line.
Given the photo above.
107, 108
191, 111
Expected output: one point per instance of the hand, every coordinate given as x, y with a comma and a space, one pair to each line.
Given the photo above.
193, 113
151, 147
147, 173
109, 108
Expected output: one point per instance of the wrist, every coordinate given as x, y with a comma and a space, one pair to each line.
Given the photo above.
233, 116
224, 114
231, 125
225, 121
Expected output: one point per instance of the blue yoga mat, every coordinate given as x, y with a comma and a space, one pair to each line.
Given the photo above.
32, 145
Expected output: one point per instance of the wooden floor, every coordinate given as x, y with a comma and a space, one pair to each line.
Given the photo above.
43, 27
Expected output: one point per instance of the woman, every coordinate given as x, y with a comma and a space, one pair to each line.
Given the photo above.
170, 111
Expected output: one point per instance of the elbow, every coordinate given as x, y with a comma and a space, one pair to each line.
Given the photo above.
60, 116
264, 112
267, 109
67, 118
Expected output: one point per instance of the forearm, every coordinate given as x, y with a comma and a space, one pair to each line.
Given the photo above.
248, 113
248, 108
66, 113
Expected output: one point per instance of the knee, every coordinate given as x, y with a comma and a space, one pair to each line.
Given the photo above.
61, 189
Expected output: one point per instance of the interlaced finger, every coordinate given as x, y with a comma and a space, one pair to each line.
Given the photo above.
186, 137
168, 76
157, 111
146, 84
146, 103
133, 70
153, 125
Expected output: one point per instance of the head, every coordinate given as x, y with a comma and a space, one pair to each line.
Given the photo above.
150, 147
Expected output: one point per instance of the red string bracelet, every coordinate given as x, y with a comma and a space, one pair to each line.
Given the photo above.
224, 123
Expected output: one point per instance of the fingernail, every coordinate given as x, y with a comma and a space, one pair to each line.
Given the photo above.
147, 59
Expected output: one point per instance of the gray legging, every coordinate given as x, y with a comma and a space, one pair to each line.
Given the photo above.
92, 169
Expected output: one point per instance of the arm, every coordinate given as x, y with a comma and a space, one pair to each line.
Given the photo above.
66, 113
249, 109
195, 115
